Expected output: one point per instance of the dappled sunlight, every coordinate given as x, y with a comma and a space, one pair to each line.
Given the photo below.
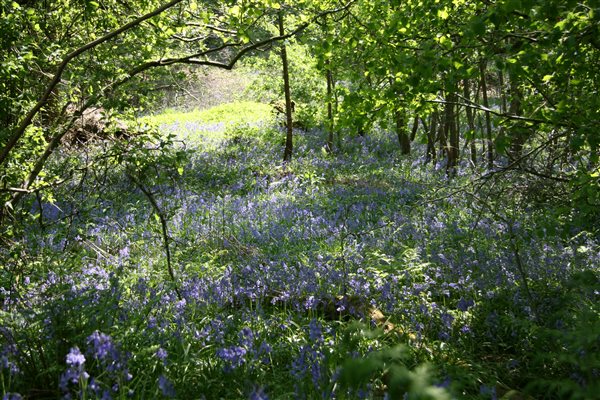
299, 200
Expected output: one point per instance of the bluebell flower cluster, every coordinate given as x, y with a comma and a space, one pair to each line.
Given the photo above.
75, 370
233, 356
270, 266
8, 354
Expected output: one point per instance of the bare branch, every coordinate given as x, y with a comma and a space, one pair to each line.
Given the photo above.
219, 29
479, 107
189, 39
164, 229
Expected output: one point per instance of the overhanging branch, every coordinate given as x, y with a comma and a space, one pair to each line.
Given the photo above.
20, 130
508, 116
190, 59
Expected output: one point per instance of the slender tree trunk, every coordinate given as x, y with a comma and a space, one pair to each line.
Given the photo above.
470, 122
401, 131
488, 117
518, 134
330, 126
456, 138
457, 118
441, 137
424, 123
503, 103
441, 133
431, 135
502, 131
415, 128
480, 126
451, 132
289, 138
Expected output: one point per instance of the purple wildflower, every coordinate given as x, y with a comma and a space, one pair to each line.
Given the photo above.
17, 396
102, 347
488, 391
315, 332
75, 358
258, 394
233, 356
124, 252
75, 371
6, 362
464, 305
246, 337
162, 355
311, 303
447, 319
166, 386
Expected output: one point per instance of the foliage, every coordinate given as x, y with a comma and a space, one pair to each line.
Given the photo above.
174, 255
99, 63
307, 84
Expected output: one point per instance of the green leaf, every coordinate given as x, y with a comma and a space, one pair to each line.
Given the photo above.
359, 371
443, 14
561, 24
478, 26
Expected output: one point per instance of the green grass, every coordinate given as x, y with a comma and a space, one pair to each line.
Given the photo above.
225, 114
207, 128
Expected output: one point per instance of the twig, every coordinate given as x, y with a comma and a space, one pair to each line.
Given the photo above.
163, 223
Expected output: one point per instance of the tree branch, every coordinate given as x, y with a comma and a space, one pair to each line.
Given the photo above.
20, 130
191, 59
163, 224
500, 114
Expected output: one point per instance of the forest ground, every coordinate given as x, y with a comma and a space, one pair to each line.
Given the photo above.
199, 266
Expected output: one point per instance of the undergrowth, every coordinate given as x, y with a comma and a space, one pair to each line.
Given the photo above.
360, 274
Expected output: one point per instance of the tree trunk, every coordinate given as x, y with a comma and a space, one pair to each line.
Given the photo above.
401, 131
503, 103
431, 134
481, 129
488, 117
289, 142
424, 123
441, 137
441, 133
415, 128
470, 123
330, 126
451, 132
518, 133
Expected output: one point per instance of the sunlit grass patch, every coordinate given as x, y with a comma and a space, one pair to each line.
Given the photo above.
211, 123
